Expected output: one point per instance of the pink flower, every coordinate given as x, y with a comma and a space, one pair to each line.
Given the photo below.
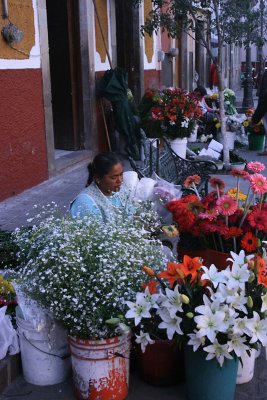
255, 166
225, 205
240, 173
216, 183
188, 183
258, 183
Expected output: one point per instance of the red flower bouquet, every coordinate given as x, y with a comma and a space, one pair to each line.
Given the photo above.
225, 221
174, 110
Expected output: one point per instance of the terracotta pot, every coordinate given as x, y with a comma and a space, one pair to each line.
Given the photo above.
218, 258
192, 253
162, 363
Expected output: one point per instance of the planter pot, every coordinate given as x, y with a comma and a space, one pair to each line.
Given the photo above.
162, 363
230, 137
245, 372
179, 146
193, 137
218, 258
44, 354
99, 373
256, 142
238, 165
206, 380
192, 253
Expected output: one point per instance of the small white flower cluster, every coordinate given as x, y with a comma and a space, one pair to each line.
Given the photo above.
83, 270
234, 123
224, 324
205, 138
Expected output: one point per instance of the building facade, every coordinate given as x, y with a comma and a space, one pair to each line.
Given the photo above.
51, 113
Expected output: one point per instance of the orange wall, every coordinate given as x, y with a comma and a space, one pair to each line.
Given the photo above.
23, 157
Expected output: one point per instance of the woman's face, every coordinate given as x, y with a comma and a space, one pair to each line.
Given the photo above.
111, 182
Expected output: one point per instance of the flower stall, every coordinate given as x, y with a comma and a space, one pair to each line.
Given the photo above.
82, 272
256, 132
218, 316
223, 221
8, 336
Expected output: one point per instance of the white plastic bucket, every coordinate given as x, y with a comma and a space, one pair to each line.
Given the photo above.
101, 367
246, 372
179, 146
230, 137
45, 354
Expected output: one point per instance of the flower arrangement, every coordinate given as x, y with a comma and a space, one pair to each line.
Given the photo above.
175, 112
234, 122
250, 128
83, 270
223, 313
7, 295
229, 101
228, 220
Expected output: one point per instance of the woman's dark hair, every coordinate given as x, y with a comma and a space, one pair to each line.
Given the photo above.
200, 89
101, 165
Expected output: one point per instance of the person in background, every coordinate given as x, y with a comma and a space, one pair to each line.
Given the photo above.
261, 110
210, 115
104, 191
213, 76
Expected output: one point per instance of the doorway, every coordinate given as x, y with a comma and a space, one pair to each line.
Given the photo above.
65, 72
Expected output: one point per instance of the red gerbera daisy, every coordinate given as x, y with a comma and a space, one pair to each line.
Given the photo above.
249, 242
258, 220
188, 183
240, 173
233, 231
217, 183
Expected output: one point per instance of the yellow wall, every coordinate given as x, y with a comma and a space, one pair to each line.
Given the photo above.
20, 14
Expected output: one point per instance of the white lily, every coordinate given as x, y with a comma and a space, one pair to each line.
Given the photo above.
151, 298
173, 301
237, 276
258, 329
213, 275
220, 351
144, 339
264, 303
138, 310
172, 324
195, 341
237, 344
211, 321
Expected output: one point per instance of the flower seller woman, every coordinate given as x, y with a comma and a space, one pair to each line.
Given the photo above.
104, 192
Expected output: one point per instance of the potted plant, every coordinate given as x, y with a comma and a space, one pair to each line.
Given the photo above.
82, 271
224, 221
218, 315
175, 112
256, 132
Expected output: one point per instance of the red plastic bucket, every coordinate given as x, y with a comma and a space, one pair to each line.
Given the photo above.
100, 367
162, 363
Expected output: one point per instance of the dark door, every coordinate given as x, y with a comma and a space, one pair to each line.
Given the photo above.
128, 46
64, 54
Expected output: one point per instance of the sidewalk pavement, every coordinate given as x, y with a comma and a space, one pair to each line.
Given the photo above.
62, 189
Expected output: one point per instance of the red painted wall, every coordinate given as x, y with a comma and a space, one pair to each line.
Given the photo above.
152, 78
23, 157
